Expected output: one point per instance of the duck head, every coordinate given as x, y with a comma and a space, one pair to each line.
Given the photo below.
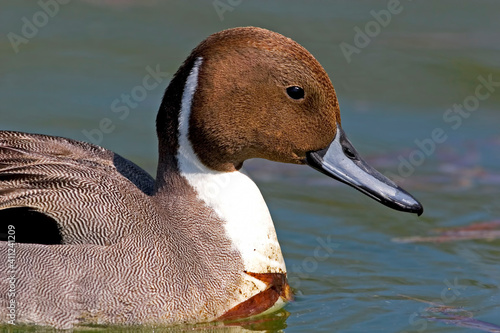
259, 94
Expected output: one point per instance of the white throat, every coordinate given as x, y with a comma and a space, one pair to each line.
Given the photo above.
233, 196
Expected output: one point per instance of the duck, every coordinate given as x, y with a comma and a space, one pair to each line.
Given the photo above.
91, 238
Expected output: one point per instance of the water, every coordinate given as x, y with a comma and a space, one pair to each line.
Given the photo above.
349, 273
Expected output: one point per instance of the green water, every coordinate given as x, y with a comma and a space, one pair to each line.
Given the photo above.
395, 90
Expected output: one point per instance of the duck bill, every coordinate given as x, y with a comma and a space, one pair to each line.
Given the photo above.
342, 162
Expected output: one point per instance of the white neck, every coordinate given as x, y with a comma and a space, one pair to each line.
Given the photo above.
233, 196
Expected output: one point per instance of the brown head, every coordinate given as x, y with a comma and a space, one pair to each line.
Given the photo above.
258, 94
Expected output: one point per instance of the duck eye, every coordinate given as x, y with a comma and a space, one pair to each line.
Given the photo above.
295, 92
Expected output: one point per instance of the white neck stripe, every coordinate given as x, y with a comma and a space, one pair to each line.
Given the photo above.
185, 148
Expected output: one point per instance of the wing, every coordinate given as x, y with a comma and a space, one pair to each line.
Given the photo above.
60, 191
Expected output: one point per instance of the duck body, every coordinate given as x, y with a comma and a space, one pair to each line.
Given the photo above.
132, 258
100, 241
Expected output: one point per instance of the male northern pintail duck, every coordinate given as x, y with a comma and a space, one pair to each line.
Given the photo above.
98, 240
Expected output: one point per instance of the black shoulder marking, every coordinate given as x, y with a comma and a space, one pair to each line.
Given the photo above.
26, 225
135, 174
